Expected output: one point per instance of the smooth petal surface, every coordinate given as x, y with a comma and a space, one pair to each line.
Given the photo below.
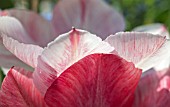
38, 29
92, 15
156, 28
28, 53
65, 51
18, 90
98, 80
13, 28
143, 49
153, 90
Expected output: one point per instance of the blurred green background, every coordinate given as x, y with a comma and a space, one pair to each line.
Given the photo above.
136, 12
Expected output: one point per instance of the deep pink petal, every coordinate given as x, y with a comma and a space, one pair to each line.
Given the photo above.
153, 90
92, 15
65, 51
28, 53
18, 90
38, 29
143, 49
98, 80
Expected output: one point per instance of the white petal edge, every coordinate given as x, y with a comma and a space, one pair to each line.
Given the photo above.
28, 53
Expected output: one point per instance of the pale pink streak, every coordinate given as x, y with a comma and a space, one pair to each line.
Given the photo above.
156, 28
143, 49
92, 15
98, 80
18, 90
63, 52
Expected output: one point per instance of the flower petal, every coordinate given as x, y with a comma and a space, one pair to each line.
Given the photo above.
65, 51
143, 49
160, 29
82, 14
13, 28
156, 28
28, 53
153, 90
98, 80
8, 60
38, 29
18, 90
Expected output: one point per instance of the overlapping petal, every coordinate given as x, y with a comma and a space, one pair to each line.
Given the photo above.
13, 28
91, 15
143, 49
35, 30
153, 89
98, 80
28, 53
156, 28
38, 29
10, 30
65, 51
7, 59
18, 90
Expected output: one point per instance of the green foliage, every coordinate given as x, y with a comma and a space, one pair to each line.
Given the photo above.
1, 76
139, 12
4, 4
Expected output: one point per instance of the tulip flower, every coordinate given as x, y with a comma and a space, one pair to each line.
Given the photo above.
92, 15
78, 69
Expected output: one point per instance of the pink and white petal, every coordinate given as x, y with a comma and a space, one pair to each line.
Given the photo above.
82, 14
28, 53
156, 28
98, 80
8, 60
18, 90
153, 90
11, 27
39, 29
65, 51
143, 49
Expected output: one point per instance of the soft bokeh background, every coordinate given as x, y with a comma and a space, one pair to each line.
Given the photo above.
136, 12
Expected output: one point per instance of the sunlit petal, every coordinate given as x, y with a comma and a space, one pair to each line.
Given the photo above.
65, 51
144, 49
98, 80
